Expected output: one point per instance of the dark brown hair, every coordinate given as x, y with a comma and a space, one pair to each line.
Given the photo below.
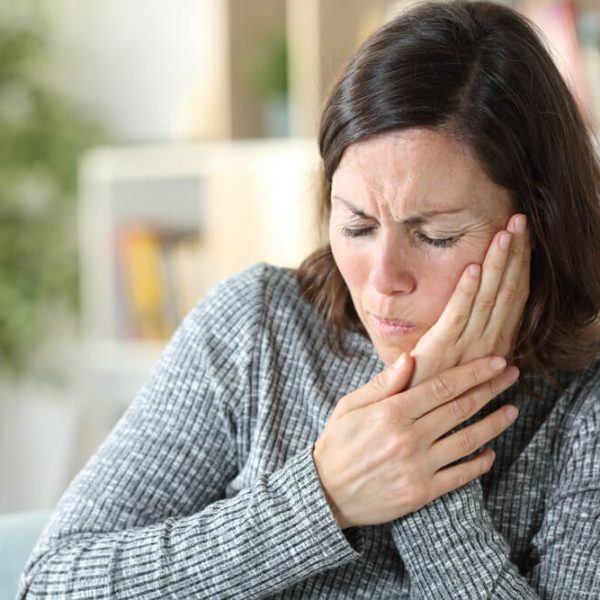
478, 71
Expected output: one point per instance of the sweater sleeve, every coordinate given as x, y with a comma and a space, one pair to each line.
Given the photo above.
148, 517
566, 549
452, 550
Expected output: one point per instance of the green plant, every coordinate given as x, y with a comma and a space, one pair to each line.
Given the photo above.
267, 69
41, 138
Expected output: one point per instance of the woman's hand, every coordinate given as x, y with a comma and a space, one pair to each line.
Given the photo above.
380, 455
484, 313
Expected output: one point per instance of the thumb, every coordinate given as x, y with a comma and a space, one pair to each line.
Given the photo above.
392, 380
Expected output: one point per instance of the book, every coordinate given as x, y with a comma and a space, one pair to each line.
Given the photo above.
185, 268
143, 281
162, 275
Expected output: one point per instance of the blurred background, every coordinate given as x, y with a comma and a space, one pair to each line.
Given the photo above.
150, 148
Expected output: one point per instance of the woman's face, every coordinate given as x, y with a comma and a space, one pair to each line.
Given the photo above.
409, 211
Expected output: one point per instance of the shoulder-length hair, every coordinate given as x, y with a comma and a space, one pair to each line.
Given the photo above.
478, 71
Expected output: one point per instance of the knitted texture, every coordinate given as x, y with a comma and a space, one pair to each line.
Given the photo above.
206, 487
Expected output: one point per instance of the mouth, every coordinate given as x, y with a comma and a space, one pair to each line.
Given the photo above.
393, 326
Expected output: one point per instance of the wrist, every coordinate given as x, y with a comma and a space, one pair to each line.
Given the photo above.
333, 506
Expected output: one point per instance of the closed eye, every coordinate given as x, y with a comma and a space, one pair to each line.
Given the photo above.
354, 232
437, 242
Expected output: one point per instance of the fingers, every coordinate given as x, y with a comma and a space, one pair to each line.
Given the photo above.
387, 383
449, 479
493, 269
437, 423
450, 384
456, 314
514, 290
470, 439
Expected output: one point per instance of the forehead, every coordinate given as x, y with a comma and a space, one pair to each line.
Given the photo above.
415, 170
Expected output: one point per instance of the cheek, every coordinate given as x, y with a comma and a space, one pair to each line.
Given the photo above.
351, 262
355, 274
437, 291
439, 281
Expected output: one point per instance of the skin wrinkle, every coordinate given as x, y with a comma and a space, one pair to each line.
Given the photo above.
388, 186
475, 228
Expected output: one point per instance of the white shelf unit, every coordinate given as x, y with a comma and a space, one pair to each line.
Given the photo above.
250, 201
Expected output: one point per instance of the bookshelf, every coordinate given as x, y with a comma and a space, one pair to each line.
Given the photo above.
222, 205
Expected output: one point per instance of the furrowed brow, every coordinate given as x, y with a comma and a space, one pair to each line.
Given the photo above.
357, 211
416, 219
426, 215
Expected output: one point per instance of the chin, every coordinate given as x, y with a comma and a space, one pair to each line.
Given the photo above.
389, 353
390, 347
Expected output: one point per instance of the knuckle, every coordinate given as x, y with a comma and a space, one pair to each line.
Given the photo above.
516, 250
466, 442
475, 373
378, 383
462, 407
484, 303
344, 403
457, 318
443, 387
404, 444
511, 293
497, 266
382, 415
523, 293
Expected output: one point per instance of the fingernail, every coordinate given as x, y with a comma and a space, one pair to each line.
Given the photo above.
513, 372
474, 270
498, 363
512, 413
505, 241
521, 223
399, 362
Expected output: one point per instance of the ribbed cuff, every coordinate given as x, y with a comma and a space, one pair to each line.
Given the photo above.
451, 543
323, 527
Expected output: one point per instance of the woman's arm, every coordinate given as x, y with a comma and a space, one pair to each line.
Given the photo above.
148, 518
452, 550
263, 540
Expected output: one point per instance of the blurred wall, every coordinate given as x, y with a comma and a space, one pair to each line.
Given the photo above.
151, 70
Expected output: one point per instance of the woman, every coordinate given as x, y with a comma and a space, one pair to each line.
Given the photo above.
346, 430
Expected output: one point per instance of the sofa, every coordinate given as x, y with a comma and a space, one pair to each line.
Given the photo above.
18, 534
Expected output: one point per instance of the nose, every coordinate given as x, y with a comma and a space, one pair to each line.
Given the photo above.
393, 270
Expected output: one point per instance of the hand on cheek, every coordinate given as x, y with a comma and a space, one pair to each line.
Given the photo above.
485, 310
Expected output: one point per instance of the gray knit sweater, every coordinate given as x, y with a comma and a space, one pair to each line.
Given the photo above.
206, 488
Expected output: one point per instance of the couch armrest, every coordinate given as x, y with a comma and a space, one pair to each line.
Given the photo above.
18, 534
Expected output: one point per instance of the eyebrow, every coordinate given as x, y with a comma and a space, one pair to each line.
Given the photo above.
415, 219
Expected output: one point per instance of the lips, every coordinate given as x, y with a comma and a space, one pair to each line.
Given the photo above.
389, 326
